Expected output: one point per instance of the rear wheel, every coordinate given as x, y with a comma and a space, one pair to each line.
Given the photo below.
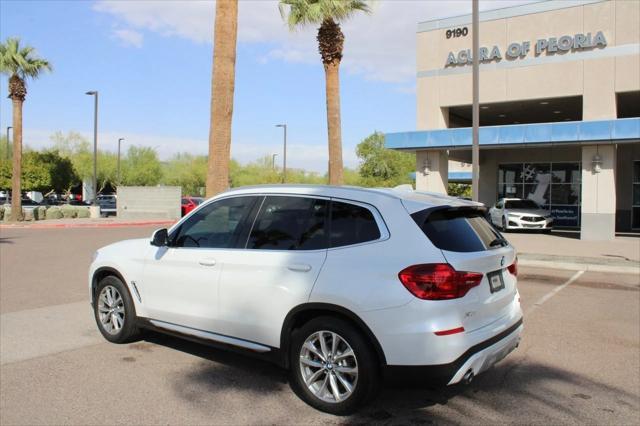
332, 366
114, 311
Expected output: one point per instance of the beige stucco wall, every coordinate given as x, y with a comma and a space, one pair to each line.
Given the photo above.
432, 170
596, 79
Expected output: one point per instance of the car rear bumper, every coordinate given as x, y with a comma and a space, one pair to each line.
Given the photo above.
475, 360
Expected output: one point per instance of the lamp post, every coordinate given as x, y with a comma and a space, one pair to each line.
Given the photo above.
475, 108
284, 156
119, 140
94, 93
273, 161
7, 153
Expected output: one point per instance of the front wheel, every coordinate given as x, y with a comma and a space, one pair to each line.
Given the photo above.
333, 368
504, 224
114, 311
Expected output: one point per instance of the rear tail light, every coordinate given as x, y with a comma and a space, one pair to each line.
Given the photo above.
513, 268
438, 281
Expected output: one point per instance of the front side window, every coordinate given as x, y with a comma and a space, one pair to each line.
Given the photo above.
352, 224
214, 225
290, 223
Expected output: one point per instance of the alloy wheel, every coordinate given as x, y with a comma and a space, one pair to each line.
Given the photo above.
329, 366
111, 310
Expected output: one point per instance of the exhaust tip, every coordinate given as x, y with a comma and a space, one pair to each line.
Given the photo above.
468, 377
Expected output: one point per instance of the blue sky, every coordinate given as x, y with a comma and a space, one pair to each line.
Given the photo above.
151, 63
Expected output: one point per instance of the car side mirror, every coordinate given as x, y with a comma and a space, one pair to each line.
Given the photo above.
160, 238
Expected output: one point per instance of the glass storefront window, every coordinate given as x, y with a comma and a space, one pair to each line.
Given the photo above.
567, 194
566, 173
536, 172
510, 173
555, 186
537, 192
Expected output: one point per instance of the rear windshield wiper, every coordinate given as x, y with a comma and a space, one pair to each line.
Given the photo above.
499, 242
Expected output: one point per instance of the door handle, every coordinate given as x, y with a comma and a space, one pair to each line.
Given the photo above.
207, 262
300, 267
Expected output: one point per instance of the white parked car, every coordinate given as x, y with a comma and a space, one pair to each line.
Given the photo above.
337, 284
516, 213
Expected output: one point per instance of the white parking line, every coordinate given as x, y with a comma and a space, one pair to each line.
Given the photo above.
553, 292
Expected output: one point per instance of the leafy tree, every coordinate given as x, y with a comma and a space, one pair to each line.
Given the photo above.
41, 171
327, 13
78, 149
141, 167
459, 189
19, 63
381, 166
186, 170
5, 152
223, 86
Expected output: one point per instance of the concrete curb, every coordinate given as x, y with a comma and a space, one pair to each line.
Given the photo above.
573, 266
36, 225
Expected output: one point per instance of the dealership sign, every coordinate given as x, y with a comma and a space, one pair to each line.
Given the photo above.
549, 46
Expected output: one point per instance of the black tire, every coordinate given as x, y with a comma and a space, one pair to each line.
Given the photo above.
504, 224
368, 379
129, 331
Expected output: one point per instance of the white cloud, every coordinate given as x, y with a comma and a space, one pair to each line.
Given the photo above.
299, 156
380, 46
128, 37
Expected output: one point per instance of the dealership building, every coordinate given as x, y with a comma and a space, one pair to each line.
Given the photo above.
559, 110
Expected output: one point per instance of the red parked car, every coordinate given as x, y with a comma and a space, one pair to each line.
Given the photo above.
190, 203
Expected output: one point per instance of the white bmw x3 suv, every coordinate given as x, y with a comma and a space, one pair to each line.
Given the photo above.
343, 286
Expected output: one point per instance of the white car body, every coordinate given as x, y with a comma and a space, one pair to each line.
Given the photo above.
248, 298
505, 217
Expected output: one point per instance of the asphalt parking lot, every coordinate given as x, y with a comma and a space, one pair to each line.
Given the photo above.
578, 363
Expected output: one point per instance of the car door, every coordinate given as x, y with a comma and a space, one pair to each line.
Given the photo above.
284, 253
180, 281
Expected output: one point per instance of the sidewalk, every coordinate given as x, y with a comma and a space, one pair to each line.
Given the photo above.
567, 251
106, 222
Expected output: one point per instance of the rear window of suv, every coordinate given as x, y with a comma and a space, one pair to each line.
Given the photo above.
459, 230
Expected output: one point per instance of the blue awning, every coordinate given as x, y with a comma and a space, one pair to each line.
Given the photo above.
606, 131
452, 176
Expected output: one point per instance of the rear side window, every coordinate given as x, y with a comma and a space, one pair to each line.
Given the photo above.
352, 224
290, 223
458, 230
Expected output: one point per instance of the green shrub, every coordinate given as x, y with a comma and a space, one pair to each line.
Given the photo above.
68, 212
1, 212
7, 213
28, 214
54, 213
82, 212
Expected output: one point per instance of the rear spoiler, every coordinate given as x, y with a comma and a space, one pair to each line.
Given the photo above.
421, 216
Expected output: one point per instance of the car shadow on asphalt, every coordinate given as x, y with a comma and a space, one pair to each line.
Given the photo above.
546, 394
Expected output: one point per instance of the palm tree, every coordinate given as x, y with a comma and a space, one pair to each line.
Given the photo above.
327, 13
19, 63
222, 87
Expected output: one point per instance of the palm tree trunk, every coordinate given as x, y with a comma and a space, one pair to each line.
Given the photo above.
16, 192
332, 76
222, 88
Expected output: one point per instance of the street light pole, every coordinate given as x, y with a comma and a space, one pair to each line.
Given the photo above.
94, 93
7, 153
119, 140
273, 161
284, 157
475, 109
